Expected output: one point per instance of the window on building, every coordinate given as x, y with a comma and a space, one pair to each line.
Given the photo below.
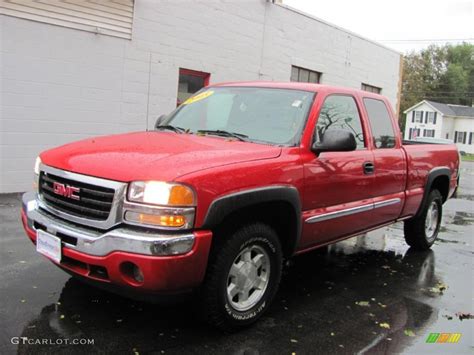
417, 116
460, 137
414, 133
303, 75
371, 88
381, 123
340, 112
429, 133
470, 138
105, 17
190, 82
447, 135
430, 117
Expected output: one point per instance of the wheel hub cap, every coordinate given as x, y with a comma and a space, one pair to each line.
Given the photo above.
248, 278
432, 220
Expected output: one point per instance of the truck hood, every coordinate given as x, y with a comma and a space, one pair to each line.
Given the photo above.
161, 156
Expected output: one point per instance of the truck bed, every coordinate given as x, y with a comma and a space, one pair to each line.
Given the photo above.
423, 158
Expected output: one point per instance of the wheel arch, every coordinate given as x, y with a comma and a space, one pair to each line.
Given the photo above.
278, 206
438, 178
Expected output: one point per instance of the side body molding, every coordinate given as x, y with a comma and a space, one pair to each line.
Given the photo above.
225, 205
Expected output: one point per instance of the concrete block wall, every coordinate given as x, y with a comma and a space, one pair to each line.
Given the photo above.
59, 84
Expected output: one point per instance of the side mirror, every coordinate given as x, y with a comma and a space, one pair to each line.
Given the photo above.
159, 121
336, 140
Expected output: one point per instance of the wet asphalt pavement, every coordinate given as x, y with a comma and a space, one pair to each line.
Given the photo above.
369, 294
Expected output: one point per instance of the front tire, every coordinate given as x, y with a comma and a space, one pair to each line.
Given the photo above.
243, 277
422, 231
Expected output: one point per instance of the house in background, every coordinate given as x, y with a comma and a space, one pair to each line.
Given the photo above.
436, 120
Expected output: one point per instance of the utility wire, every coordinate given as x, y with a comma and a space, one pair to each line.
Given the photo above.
427, 40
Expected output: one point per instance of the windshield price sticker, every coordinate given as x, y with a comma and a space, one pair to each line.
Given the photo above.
198, 97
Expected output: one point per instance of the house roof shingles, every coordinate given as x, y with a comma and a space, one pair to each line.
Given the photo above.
453, 110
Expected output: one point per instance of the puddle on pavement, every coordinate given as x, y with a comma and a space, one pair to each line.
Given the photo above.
457, 218
461, 196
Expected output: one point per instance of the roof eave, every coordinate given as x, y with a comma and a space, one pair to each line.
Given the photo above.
424, 102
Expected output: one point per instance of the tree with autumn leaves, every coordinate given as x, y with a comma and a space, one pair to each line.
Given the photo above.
438, 73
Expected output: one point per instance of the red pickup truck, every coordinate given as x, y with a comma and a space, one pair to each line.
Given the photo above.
238, 178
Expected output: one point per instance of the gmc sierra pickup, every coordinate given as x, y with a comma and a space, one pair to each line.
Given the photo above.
238, 178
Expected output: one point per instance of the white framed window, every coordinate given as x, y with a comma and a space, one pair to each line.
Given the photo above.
414, 133
418, 116
429, 133
430, 117
460, 137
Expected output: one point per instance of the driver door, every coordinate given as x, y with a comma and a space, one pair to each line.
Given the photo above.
338, 198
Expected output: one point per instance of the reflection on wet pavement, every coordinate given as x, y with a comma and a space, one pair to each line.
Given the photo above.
369, 294
320, 291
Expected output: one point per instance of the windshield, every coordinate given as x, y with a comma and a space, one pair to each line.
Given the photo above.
274, 116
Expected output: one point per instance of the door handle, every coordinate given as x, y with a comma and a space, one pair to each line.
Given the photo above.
369, 168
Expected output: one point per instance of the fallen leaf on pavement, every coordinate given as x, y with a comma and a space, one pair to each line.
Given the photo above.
462, 315
439, 288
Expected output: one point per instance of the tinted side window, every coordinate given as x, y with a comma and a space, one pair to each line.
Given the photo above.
340, 112
381, 123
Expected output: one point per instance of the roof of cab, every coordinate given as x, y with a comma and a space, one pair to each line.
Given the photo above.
296, 86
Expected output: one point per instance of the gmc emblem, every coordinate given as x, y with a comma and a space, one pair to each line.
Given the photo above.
66, 191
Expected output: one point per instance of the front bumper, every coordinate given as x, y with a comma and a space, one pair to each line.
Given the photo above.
168, 262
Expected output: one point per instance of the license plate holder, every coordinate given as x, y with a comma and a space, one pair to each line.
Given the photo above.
49, 245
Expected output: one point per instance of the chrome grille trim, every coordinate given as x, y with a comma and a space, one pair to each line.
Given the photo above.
116, 212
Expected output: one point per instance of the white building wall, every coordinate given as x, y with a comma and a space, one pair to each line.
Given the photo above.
448, 128
345, 59
60, 84
462, 124
438, 127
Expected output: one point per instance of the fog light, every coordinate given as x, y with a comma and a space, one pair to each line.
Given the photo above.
137, 274
132, 272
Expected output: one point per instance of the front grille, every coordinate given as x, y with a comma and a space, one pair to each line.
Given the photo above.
95, 202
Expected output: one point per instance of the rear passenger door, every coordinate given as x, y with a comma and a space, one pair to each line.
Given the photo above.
388, 190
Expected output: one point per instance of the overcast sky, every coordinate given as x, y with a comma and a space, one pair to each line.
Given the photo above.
399, 24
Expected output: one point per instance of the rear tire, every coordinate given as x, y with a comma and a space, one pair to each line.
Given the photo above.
421, 231
243, 276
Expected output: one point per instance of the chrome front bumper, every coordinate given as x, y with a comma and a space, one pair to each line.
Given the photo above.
98, 243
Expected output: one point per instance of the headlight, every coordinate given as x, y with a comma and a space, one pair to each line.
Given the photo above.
161, 193
37, 172
160, 204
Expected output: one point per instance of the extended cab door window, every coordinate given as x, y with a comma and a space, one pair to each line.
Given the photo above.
381, 123
340, 112
389, 163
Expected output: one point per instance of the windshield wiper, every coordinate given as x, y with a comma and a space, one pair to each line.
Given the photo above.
219, 132
171, 128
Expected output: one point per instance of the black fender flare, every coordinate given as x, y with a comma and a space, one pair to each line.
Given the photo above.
432, 175
223, 206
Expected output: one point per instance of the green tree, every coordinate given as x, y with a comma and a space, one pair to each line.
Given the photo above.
438, 73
